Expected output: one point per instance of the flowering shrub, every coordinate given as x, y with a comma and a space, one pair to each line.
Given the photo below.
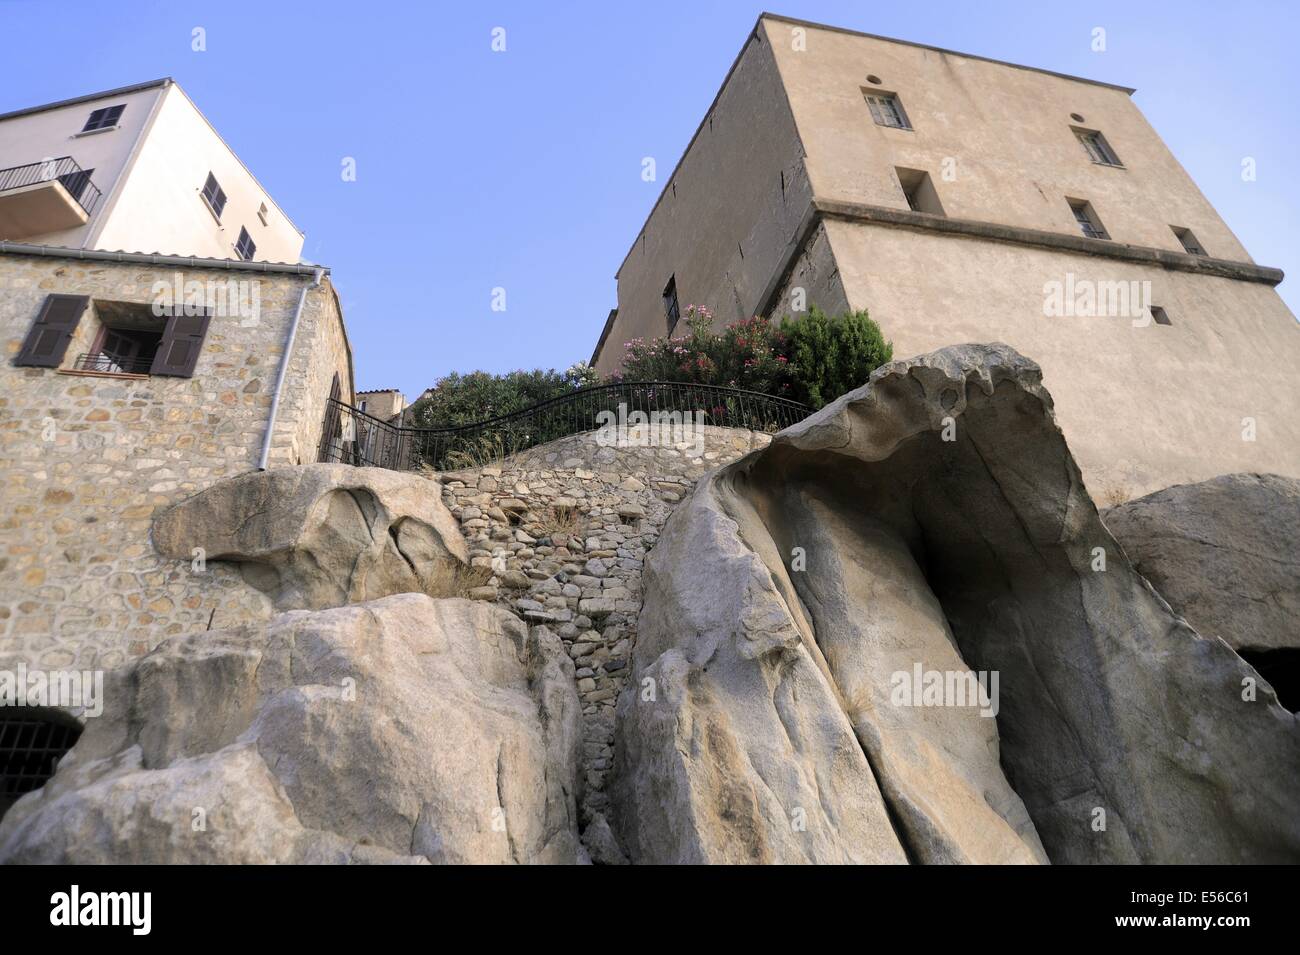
464, 399
813, 359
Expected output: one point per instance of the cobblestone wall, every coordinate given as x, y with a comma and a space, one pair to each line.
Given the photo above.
563, 530
86, 459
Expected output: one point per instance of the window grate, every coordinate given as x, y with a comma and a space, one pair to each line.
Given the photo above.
30, 749
1088, 222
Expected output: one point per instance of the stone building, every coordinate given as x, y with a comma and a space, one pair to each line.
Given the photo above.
131, 382
386, 404
136, 168
962, 199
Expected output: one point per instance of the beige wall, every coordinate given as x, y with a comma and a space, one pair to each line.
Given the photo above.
1142, 407
1007, 130
161, 208
85, 461
723, 223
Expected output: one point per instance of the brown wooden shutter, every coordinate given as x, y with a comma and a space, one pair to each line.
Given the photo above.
52, 331
178, 352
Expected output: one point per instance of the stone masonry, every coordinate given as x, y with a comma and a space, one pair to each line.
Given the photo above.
563, 530
86, 458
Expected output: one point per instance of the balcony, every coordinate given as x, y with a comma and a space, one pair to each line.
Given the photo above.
43, 197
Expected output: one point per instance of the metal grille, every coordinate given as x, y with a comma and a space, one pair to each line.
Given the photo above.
98, 361
351, 436
30, 748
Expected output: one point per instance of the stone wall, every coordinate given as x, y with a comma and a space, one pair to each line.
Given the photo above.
563, 530
86, 459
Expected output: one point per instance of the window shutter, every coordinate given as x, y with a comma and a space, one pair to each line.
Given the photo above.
178, 352
52, 331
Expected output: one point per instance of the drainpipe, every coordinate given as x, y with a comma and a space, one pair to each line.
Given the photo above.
284, 368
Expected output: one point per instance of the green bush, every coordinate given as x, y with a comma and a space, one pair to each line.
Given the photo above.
831, 356
465, 399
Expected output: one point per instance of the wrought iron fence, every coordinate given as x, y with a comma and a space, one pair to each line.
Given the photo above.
354, 437
65, 169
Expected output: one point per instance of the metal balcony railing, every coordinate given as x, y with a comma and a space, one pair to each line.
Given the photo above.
351, 436
64, 169
98, 361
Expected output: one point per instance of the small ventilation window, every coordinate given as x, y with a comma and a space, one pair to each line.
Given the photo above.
918, 188
1086, 216
1095, 145
671, 308
1189, 241
105, 118
886, 109
1160, 315
245, 248
263, 213
32, 741
214, 196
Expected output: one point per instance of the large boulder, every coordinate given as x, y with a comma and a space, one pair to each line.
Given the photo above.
406, 729
1225, 553
320, 535
816, 615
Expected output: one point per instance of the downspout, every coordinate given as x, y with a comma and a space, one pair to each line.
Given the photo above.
284, 368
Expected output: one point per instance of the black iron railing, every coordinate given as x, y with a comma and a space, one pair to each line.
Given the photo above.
98, 361
64, 169
354, 437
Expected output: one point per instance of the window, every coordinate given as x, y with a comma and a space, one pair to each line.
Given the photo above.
886, 109
918, 188
105, 118
129, 338
32, 741
1188, 241
1095, 145
671, 308
245, 248
263, 213
214, 196
1160, 315
1086, 216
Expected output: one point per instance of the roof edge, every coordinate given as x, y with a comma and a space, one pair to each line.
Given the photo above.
59, 104
939, 49
159, 258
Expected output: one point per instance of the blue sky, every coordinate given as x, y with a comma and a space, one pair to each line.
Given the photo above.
522, 169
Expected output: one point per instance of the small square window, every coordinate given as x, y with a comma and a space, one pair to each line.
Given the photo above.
214, 196
671, 308
263, 213
886, 109
1095, 145
1160, 315
1189, 241
1089, 224
245, 248
105, 118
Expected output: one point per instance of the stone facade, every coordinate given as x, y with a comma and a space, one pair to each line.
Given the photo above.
563, 530
87, 458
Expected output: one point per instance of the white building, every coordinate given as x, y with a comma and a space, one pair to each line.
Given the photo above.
136, 169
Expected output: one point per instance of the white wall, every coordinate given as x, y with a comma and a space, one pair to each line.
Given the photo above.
52, 133
161, 207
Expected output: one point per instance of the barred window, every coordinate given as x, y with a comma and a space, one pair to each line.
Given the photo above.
1089, 224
